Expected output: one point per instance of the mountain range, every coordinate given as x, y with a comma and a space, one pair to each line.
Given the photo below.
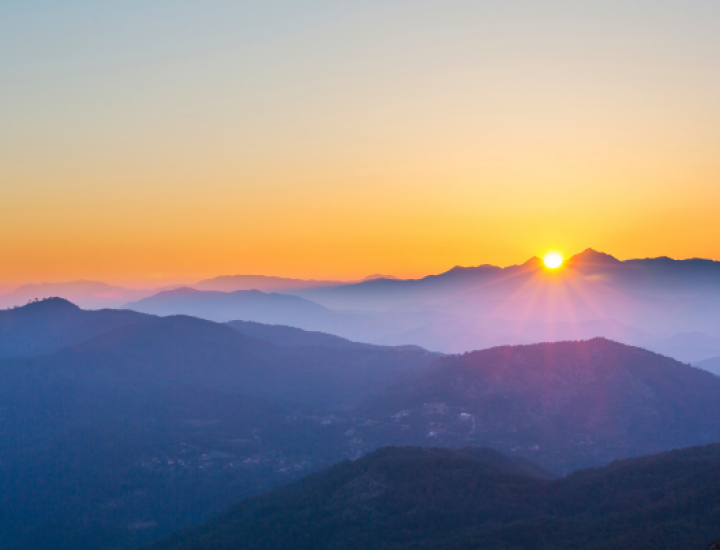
652, 276
660, 304
145, 425
168, 420
565, 405
246, 305
99, 295
668, 306
52, 324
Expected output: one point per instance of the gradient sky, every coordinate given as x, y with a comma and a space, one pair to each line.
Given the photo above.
144, 142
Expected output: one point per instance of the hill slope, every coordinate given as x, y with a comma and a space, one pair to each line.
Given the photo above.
566, 405
403, 498
294, 337
179, 351
52, 324
149, 427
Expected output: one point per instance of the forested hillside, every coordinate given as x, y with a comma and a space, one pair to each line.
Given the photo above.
436, 499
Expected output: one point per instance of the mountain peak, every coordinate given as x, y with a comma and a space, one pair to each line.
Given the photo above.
378, 276
50, 304
593, 257
532, 262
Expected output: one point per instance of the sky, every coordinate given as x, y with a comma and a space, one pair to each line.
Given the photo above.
156, 141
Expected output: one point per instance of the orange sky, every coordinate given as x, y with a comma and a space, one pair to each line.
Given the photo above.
340, 140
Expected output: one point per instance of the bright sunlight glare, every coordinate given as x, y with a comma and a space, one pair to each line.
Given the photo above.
553, 260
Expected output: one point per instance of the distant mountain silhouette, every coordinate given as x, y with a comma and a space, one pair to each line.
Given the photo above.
644, 302
590, 258
565, 405
669, 306
690, 346
267, 283
294, 337
232, 283
54, 323
86, 294
400, 498
244, 305
378, 276
663, 273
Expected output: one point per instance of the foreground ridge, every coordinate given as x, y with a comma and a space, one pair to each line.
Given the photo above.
408, 497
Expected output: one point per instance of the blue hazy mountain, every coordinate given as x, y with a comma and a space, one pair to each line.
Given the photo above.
155, 425
265, 283
668, 306
49, 325
183, 351
294, 337
694, 277
693, 347
565, 405
654, 303
245, 305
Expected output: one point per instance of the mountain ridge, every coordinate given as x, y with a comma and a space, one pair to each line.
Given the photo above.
569, 404
407, 497
46, 326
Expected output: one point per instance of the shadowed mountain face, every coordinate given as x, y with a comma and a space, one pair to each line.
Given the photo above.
565, 405
402, 498
52, 324
87, 467
148, 427
295, 337
184, 351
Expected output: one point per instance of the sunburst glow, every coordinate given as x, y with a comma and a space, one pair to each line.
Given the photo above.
553, 260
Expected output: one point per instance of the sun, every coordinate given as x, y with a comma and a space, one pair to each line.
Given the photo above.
553, 260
